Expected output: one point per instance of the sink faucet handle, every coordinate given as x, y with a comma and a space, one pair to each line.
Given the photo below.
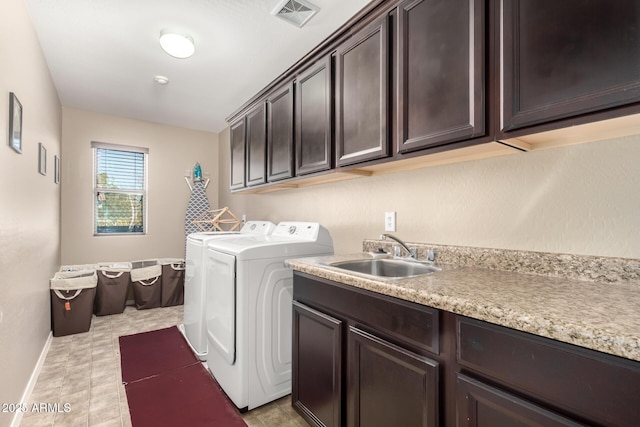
411, 252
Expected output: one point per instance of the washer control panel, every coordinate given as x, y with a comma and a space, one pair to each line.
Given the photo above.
297, 230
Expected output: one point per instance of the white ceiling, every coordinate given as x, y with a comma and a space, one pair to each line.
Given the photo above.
104, 54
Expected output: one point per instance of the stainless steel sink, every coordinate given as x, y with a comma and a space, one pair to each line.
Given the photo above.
385, 267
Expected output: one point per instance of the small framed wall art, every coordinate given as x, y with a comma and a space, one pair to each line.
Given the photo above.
42, 159
56, 171
15, 123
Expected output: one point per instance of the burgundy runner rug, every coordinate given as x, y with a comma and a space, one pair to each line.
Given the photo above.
150, 353
168, 387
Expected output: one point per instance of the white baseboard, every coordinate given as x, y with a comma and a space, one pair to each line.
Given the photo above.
17, 418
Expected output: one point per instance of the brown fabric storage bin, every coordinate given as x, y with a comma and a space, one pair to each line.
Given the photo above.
72, 296
172, 281
147, 286
112, 288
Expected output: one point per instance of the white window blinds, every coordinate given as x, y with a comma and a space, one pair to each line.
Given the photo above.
119, 189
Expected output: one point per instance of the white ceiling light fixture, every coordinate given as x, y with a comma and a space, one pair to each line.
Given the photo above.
296, 12
176, 44
161, 80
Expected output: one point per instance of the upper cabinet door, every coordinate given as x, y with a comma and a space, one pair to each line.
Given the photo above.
313, 119
256, 145
237, 178
280, 134
362, 88
566, 58
441, 77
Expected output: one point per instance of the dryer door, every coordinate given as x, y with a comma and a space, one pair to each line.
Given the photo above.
221, 304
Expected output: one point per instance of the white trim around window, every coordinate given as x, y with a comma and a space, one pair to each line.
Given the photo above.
119, 189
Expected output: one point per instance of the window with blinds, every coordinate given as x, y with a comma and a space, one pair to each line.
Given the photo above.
120, 188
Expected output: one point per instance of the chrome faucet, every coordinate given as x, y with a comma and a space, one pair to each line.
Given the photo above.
412, 252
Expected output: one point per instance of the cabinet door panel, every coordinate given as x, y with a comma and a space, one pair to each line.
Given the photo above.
388, 385
237, 178
256, 146
280, 134
317, 366
441, 78
565, 58
313, 119
362, 96
479, 405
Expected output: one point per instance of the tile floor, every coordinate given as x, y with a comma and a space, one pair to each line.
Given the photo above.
84, 371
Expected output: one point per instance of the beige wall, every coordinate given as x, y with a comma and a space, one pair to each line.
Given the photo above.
171, 152
583, 199
29, 204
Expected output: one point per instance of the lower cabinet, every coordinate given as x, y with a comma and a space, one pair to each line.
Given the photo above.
362, 359
546, 376
357, 358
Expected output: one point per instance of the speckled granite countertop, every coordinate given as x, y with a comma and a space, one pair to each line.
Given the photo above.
591, 314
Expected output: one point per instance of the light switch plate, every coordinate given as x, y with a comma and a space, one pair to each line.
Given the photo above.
389, 221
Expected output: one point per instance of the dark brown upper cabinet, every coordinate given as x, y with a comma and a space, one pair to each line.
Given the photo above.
256, 145
441, 72
565, 58
313, 118
238, 175
362, 95
280, 134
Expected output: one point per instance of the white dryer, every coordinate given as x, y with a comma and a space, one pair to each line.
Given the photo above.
193, 326
249, 309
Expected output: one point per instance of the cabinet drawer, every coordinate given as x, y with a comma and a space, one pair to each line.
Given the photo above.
589, 384
401, 322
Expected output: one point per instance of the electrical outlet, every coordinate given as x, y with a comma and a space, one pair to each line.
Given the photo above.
389, 221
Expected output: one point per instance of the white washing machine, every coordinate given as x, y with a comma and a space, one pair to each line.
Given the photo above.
193, 326
249, 309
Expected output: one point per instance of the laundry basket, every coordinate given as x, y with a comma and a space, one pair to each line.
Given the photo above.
147, 284
113, 285
72, 296
172, 281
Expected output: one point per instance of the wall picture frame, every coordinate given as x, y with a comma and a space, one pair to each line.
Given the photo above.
15, 123
56, 171
42, 159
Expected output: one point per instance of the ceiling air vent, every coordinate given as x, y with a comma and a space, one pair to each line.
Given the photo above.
296, 12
